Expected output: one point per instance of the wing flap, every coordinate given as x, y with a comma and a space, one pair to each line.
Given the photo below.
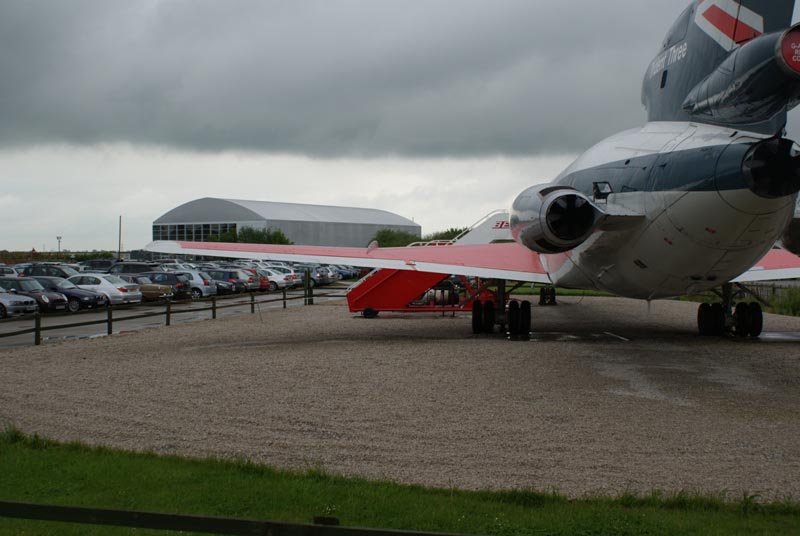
498, 261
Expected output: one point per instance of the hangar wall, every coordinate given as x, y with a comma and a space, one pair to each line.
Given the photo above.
313, 225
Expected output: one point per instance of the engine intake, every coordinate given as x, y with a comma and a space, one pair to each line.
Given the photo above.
553, 219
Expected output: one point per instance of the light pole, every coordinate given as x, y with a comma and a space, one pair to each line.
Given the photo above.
59, 243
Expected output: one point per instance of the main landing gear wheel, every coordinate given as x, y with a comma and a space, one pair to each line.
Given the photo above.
514, 317
756, 319
369, 313
547, 296
477, 317
711, 319
748, 319
488, 316
525, 316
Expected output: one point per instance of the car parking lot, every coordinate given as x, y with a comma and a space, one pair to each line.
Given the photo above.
75, 287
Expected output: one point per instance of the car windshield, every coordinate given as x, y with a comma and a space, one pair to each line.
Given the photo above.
144, 280
114, 279
66, 284
69, 271
182, 278
27, 285
204, 276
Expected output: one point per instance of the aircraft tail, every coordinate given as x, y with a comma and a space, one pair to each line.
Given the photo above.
702, 39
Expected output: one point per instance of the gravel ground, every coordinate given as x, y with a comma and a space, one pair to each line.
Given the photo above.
417, 398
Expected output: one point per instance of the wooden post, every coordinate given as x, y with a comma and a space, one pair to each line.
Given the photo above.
213, 307
169, 311
110, 318
252, 303
37, 334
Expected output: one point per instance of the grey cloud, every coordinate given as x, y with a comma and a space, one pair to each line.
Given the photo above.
327, 77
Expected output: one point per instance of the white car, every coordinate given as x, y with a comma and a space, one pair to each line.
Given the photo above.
117, 290
277, 280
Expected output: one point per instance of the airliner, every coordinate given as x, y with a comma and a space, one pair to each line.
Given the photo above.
703, 196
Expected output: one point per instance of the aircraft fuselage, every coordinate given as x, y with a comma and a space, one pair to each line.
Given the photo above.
702, 223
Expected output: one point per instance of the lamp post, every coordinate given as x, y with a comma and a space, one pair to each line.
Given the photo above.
59, 243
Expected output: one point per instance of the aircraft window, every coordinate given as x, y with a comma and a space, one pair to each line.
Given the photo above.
663, 79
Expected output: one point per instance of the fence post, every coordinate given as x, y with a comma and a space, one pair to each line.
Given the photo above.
284, 297
37, 334
169, 311
213, 307
110, 318
252, 303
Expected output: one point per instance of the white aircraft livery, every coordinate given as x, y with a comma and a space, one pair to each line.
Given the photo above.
695, 199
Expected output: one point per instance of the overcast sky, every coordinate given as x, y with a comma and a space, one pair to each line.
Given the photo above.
440, 111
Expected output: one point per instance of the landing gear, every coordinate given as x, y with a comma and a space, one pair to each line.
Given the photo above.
514, 315
547, 296
746, 320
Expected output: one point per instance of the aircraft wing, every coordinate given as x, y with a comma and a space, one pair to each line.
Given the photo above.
777, 264
508, 261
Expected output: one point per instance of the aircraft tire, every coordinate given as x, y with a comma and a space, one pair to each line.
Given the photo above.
742, 319
704, 319
543, 296
756, 319
477, 317
717, 319
488, 316
369, 313
525, 318
513, 318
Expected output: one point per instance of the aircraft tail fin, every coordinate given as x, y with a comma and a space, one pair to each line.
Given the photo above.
703, 36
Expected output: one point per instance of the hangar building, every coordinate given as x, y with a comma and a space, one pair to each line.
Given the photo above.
308, 225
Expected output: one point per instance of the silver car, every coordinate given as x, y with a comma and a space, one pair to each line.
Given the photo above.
200, 283
13, 304
117, 290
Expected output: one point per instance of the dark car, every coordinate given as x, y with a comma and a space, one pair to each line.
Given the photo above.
77, 298
27, 286
239, 279
129, 267
319, 275
49, 270
179, 283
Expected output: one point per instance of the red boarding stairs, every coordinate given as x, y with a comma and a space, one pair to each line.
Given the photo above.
412, 291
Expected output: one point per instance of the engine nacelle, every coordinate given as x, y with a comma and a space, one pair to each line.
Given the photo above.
552, 219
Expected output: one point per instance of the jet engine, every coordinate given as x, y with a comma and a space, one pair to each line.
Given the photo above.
757, 81
552, 218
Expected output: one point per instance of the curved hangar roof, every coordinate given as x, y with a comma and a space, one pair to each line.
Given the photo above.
211, 209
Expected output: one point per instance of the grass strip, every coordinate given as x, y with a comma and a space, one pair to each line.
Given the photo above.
38, 470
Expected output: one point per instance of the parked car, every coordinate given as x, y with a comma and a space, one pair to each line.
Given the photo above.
27, 286
150, 291
263, 279
178, 282
115, 289
12, 304
319, 275
277, 280
200, 284
98, 264
239, 279
129, 267
296, 277
8, 271
51, 270
77, 298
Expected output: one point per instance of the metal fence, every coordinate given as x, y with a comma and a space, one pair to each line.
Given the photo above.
323, 526
170, 309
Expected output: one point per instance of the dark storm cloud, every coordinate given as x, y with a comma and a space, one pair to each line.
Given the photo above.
327, 77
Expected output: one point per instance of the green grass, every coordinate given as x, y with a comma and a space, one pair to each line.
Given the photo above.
37, 470
528, 291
